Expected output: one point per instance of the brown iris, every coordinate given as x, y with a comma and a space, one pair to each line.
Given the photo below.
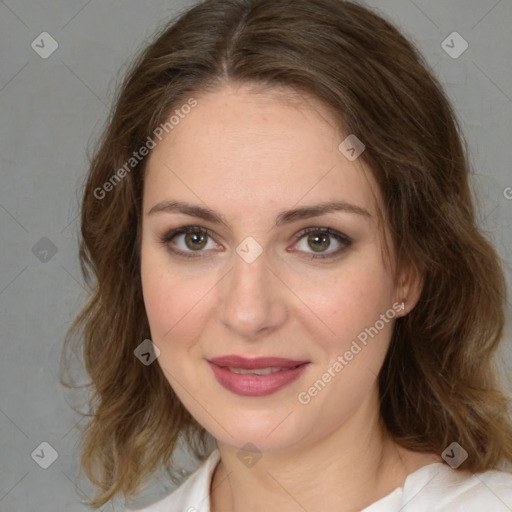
197, 240
320, 241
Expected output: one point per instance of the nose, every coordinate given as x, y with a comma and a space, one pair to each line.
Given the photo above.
252, 301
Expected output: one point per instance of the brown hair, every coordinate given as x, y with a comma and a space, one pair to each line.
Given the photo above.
438, 383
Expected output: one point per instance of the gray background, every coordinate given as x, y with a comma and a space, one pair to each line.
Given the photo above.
53, 111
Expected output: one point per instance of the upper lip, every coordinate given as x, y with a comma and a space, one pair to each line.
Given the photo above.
233, 361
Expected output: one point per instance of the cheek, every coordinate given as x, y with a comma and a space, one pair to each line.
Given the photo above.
164, 297
167, 304
155, 296
169, 307
342, 303
176, 304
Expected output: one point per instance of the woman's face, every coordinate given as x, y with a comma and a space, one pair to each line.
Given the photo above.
249, 172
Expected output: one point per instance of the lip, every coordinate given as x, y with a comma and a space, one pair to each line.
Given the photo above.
257, 362
256, 385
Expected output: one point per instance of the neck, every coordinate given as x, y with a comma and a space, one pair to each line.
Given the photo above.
352, 467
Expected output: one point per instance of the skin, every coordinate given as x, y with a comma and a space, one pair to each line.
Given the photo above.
248, 155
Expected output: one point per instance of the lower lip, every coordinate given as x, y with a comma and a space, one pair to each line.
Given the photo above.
256, 385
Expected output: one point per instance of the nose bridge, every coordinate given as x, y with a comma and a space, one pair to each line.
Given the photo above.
251, 302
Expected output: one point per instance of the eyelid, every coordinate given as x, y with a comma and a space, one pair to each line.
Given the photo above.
169, 235
330, 231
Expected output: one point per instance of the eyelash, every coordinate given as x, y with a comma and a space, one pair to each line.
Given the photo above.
340, 237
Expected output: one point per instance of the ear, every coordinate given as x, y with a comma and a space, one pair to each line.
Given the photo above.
410, 286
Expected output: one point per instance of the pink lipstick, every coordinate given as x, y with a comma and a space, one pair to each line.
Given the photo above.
256, 377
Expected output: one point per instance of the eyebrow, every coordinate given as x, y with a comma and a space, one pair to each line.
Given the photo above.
284, 217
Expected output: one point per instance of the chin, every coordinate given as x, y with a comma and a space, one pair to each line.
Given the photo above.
258, 431
256, 442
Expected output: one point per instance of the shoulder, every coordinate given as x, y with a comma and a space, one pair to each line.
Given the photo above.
439, 488
193, 495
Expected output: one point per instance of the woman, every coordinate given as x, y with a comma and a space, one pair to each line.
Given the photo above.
279, 221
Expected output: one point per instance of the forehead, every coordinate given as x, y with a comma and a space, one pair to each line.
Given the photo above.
244, 151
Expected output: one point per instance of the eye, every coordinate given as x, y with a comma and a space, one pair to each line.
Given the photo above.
189, 239
320, 239
193, 239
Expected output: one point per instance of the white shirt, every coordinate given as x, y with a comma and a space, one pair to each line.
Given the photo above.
433, 488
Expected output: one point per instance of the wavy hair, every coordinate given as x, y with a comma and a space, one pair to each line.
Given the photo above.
439, 381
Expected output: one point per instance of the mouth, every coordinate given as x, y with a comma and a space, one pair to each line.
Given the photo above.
256, 377
258, 371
